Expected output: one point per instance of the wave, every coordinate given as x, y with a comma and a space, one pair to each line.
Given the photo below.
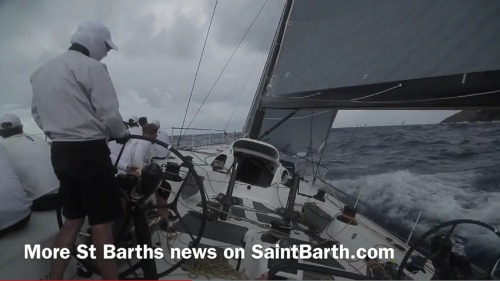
448, 172
398, 197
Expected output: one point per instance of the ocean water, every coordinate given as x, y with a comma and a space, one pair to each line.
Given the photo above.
447, 171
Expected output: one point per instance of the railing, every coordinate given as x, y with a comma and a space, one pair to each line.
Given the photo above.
192, 137
320, 170
200, 137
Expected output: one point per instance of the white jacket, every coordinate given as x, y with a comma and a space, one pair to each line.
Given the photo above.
14, 203
158, 150
30, 157
74, 99
135, 153
135, 131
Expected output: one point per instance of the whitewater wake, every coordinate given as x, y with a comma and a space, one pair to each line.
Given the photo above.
399, 196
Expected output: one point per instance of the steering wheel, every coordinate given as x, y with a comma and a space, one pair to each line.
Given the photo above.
435, 230
195, 240
140, 221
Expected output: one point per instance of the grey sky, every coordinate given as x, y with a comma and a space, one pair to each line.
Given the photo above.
160, 44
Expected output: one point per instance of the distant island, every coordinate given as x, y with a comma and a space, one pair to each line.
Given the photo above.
473, 116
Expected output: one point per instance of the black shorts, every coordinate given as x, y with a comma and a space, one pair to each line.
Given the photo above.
88, 186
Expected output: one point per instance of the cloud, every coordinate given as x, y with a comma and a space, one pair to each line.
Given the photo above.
160, 43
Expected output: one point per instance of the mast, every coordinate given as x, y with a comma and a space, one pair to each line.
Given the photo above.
253, 124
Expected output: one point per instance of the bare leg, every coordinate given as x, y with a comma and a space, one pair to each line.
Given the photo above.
102, 234
164, 212
162, 195
66, 238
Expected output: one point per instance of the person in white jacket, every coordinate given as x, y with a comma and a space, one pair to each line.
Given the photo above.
30, 157
133, 125
75, 104
158, 151
137, 153
15, 205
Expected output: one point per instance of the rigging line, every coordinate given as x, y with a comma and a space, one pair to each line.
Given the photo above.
278, 124
443, 98
253, 65
197, 70
304, 97
324, 145
241, 93
355, 99
287, 152
300, 117
237, 47
311, 145
381, 92
388, 101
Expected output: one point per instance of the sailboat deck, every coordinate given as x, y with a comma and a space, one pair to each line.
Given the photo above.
247, 225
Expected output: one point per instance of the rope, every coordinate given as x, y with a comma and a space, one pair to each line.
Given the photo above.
311, 145
378, 93
218, 268
196, 75
237, 47
372, 266
444, 98
241, 94
393, 101
253, 66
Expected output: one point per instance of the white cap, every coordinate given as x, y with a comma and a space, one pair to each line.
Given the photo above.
156, 122
132, 119
9, 121
92, 35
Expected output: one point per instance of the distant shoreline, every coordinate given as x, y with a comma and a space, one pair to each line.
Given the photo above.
473, 116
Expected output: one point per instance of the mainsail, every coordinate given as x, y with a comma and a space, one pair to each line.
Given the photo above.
415, 54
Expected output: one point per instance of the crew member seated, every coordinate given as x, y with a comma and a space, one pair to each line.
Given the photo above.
14, 203
30, 157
